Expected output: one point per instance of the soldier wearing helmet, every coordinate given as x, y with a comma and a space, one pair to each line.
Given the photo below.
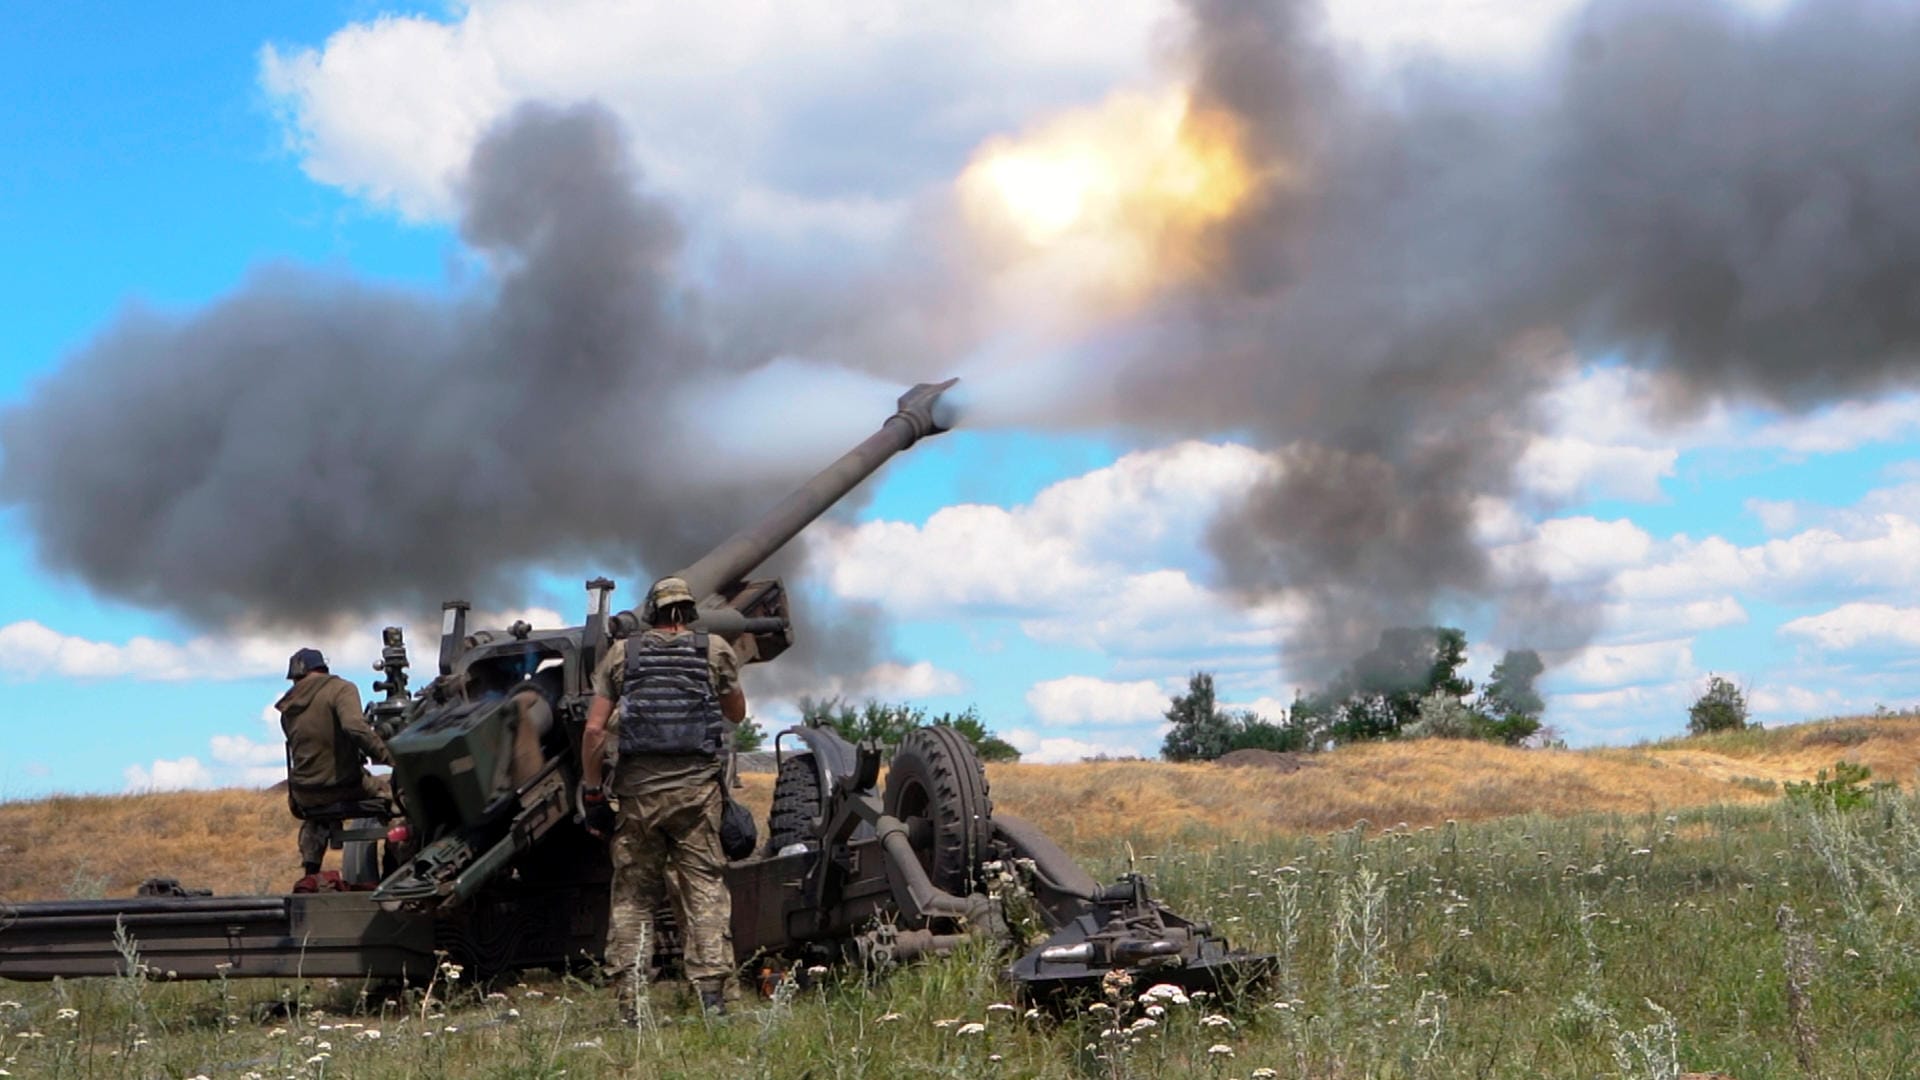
666, 698
328, 744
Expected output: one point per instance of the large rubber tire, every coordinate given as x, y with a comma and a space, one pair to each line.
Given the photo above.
796, 804
936, 776
360, 859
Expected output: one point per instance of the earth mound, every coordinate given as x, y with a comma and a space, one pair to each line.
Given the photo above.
1264, 759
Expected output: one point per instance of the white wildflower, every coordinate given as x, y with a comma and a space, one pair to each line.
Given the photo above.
536, 993
324, 1046
1099, 1007
1262, 1073
496, 996
888, 1018
369, 1035
513, 1013
1215, 1020
1143, 1024
1156, 1011
946, 1023
970, 1029
318, 1058
817, 970
67, 1014
1221, 1049
276, 1033
1001, 1006
9, 1005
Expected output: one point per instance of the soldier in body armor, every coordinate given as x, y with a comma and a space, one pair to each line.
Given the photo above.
666, 697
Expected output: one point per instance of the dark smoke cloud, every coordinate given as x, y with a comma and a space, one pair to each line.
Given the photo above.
312, 449
1728, 200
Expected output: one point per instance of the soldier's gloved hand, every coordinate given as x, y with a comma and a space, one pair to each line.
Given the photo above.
597, 812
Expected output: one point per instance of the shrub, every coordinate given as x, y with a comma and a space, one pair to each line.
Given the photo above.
1443, 716
1846, 790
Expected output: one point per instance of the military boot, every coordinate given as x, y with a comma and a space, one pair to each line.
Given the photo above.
713, 1002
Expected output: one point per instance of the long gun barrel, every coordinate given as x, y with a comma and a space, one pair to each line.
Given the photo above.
917, 417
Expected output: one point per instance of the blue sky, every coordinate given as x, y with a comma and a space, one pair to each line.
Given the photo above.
1057, 580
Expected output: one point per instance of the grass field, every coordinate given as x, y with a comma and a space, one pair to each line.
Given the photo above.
1685, 918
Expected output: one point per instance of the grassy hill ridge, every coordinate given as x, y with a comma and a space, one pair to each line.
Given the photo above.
242, 841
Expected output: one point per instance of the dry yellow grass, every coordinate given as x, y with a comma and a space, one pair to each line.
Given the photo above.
243, 841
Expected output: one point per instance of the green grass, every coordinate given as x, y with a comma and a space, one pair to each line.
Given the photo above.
1593, 947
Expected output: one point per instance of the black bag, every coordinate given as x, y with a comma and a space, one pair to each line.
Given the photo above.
738, 837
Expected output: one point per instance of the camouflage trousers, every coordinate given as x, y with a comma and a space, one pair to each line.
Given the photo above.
313, 834
671, 834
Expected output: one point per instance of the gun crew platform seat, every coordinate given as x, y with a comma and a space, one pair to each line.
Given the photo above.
359, 819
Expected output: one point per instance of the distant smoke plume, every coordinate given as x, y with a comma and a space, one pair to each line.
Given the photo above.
311, 448
1730, 200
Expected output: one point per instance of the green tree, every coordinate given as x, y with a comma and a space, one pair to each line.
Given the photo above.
1255, 732
888, 722
883, 722
1449, 654
1379, 694
1722, 708
749, 736
1201, 732
986, 744
1510, 704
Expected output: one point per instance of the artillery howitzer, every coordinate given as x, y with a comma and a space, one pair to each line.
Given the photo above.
496, 872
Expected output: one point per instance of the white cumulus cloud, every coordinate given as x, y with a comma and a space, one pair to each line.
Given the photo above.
1082, 699
1851, 626
783, 110
1611, 665
1565, 469
1114, 533
164, 774
1058, 749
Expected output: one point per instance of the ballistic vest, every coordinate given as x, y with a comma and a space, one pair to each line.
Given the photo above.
667, 703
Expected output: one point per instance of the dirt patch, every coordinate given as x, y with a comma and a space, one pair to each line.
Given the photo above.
1264, 759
